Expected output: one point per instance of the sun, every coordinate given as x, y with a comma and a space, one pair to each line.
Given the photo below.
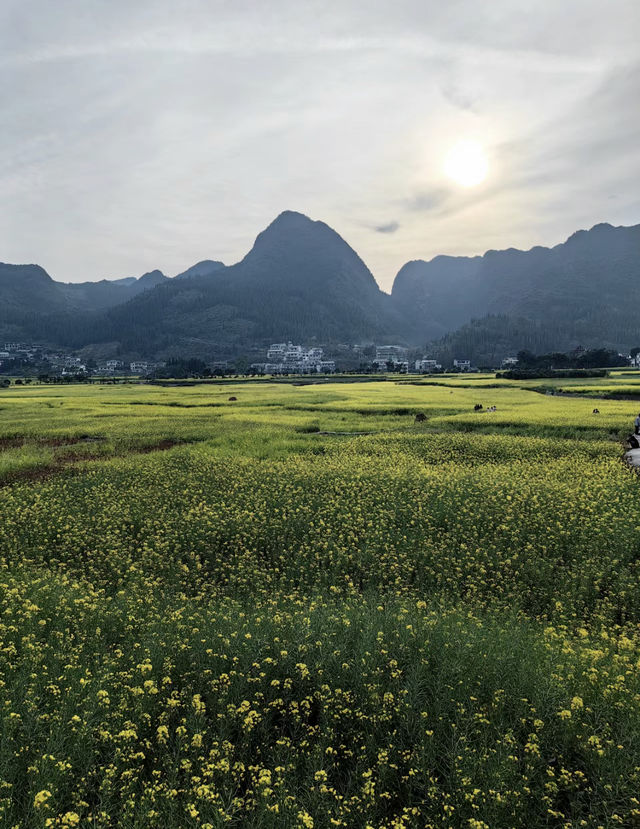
466, 163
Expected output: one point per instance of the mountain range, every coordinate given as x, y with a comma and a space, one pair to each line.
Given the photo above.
578, 292
302, 281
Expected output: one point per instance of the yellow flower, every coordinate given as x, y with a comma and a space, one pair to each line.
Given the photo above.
41, 798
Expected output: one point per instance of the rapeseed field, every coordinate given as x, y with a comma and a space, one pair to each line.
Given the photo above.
302, 608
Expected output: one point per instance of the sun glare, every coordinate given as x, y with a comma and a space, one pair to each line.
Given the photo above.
466, 163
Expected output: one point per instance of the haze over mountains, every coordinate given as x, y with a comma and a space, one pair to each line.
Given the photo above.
302, 281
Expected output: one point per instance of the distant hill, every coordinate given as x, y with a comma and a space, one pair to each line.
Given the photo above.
33, 305
29, 289
203, 268
106, 293
581, 291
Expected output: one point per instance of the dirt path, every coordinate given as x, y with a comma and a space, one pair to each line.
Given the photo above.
69, 463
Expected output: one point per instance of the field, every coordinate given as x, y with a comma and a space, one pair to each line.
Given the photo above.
301, 608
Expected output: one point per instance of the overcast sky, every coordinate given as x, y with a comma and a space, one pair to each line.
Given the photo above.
156, 133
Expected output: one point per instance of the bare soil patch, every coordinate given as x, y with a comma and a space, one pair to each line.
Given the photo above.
66, 463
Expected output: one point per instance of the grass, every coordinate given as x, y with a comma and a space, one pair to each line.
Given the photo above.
271, 622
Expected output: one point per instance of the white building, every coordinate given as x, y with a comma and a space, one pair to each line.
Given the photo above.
293, 354
463, 365
113, 365
394, 354
509, 362
390, 353
277, 351
425, 366
289, 358
139, 367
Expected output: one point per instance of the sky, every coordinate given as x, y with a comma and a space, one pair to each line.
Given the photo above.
157, 133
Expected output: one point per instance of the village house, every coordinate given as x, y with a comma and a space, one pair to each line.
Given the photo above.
288, 358
509, 362
425, 366
394, 354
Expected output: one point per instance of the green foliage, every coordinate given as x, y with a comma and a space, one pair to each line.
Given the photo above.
579, 359
181, 368
548, 373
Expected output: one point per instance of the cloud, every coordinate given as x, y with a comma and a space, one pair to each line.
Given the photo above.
428, 200
458, 97
389, 227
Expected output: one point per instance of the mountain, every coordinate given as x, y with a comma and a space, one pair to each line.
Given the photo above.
126, 280
579, 291
93, 296
300, 280
28, 288
32, 303
203, 268
150, 280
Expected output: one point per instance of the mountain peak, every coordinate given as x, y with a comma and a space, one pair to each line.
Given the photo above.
300, 250
24, 271
287, 224
294, 231
292, 218
599, 230
204, 268
152, 277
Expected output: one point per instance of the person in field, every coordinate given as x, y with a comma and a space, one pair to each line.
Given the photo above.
636, 423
